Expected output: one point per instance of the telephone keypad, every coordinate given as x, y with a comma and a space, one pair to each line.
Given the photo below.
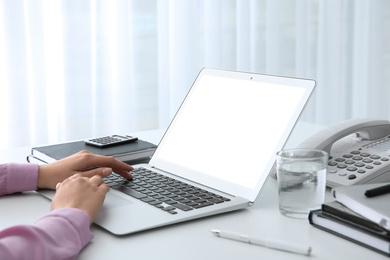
345, 169
359, 164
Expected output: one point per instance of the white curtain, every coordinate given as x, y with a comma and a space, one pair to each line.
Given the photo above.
72, 69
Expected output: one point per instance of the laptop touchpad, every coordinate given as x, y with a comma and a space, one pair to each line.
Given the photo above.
114, 201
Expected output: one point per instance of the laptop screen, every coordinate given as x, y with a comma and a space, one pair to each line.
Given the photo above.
229, 128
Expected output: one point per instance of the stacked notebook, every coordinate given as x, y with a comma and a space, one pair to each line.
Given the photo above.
132, 153
356, 217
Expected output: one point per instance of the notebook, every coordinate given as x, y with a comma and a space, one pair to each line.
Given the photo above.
376, 209
221, 142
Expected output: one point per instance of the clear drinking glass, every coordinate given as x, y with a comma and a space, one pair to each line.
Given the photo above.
301, 175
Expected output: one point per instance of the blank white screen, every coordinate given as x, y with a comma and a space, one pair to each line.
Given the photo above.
226, 121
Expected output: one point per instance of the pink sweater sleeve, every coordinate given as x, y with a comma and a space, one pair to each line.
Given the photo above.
16, 177
59, 235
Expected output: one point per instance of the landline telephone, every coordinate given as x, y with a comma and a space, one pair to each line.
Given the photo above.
359, 151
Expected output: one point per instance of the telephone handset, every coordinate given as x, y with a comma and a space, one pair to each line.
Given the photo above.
359, 151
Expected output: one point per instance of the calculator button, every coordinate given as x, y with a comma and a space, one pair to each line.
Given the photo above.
355, 152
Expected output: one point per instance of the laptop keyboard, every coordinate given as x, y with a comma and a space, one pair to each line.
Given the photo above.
163, 192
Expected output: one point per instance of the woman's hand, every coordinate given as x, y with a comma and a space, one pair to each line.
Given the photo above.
51, 174
82, 193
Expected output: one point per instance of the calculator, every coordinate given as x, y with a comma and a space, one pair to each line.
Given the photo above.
111, 140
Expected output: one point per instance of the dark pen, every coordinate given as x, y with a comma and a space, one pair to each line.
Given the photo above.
378, 191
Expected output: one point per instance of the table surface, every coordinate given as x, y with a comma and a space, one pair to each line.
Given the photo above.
192, 240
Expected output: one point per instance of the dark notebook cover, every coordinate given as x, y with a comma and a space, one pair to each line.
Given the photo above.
129, 151
341, 221
339, 210
377, 209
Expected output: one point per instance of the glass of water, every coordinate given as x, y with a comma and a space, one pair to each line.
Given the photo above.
301, 177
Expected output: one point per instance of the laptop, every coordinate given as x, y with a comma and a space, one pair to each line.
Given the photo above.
215, 155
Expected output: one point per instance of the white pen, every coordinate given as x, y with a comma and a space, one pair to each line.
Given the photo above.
267, 242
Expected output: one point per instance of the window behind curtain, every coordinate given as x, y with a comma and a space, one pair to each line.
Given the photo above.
74, 69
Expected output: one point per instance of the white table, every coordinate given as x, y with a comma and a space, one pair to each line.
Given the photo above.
192, 240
